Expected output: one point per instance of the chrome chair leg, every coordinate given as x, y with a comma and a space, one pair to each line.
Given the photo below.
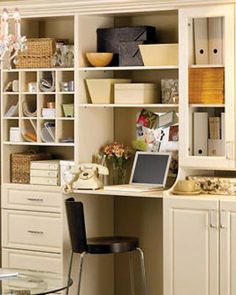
69, 273
81, 259
131, 270
143, 270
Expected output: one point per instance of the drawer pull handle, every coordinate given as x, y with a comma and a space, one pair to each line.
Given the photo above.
35, 232
35, 199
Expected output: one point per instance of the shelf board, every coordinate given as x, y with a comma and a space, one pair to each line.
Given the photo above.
40, 118
39, 70
10, 93
10, 118
207, 105
206, 66
131, 68
111, 105
38, 143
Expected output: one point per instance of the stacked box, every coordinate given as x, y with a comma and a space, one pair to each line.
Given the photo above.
123, 43
44, 172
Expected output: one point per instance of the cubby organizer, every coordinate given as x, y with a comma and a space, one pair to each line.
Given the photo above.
33, 99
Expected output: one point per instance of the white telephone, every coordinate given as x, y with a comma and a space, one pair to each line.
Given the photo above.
84, 176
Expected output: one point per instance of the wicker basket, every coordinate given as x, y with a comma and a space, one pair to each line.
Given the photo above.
206, 86
41, 46
33, 61
20, 165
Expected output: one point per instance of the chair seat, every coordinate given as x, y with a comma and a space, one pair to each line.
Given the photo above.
106, 245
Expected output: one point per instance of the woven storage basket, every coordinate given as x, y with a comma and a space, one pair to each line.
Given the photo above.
41, 46
33, 61
20, 165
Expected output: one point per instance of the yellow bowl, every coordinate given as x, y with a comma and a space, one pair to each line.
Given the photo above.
99, 59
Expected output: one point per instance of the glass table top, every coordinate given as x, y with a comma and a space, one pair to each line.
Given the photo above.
28, 282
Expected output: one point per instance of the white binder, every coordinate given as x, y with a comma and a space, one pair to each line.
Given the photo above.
201, 40
200, 133
215, 30
223, 126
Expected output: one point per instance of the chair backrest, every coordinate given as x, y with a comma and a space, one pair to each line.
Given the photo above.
76, 224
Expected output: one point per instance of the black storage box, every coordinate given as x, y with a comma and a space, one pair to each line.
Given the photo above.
108, 40
129, 53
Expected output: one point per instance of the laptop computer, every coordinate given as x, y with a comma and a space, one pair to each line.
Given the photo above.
149, 172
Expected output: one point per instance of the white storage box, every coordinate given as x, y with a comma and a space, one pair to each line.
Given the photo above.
136, 93
44, 180
159, 54
45, 165
101, 91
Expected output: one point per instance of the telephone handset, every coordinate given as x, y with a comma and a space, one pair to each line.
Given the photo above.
84, 176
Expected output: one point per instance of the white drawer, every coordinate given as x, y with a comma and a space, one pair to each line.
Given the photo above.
15, 198
32, 260
32, 230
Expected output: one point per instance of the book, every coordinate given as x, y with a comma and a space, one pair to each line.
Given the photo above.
214, 127
215, 27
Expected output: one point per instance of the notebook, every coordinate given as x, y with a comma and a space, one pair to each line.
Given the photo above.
149, 172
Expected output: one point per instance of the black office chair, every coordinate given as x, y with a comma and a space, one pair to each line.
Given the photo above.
99, 245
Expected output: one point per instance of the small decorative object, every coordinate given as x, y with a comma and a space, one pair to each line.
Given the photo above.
148, 119
118, 155
67, 56
99, 59
11, 43
169, 91
215, 185
32, 86
15, 134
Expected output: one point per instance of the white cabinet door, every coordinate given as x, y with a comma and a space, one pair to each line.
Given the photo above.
191, 247
227, 247
196, 150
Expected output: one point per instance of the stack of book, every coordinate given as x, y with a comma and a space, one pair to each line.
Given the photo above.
44, 172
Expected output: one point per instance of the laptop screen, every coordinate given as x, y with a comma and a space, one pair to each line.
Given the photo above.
150, 168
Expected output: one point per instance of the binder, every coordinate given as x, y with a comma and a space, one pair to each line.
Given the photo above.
216, 147
223, 126
200, 133
201, 40
215, 31
214, 127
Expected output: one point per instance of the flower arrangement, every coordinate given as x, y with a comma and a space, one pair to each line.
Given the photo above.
119, 155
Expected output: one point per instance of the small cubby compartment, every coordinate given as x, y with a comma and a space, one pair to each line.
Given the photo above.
207, 131
65, 131
47, 105
65, 106
28, 81
10, 105
28, 105
165, 22
28, 128
47, 81
47, 130
7, 125
65, 81
10, 81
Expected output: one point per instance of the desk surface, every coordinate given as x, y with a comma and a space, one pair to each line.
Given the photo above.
150, 194
28, 282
